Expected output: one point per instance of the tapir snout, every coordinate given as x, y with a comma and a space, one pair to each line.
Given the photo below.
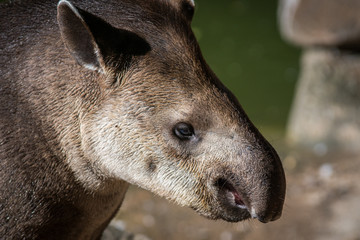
243, 174
245, 193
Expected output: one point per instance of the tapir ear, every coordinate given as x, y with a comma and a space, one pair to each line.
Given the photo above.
94, 43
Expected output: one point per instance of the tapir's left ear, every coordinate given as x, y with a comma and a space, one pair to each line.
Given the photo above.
94, 43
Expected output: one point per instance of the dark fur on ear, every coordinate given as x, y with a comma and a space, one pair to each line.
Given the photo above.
94, 43
188, 9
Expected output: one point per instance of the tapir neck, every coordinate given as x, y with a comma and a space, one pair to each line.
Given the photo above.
52, 199
96, 211
84, 218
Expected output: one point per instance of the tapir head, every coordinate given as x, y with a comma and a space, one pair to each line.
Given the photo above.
164, 121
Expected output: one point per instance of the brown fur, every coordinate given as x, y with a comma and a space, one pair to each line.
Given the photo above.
71, 139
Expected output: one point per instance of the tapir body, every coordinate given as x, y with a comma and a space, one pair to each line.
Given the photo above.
99, 94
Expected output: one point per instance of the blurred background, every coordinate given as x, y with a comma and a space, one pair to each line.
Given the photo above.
241, 43
294, 66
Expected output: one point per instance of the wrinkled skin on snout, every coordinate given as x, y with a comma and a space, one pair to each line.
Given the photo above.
192, 152
165, 122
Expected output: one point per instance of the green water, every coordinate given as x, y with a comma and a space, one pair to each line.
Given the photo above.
241, 43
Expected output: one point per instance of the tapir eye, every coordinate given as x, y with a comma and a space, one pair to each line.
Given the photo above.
184, 131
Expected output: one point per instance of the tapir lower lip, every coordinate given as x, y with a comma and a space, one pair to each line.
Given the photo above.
238, 199
234, 204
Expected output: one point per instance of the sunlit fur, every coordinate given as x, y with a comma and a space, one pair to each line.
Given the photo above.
76, 128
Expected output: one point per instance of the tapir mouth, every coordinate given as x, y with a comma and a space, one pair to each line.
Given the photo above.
232, 194
233, 203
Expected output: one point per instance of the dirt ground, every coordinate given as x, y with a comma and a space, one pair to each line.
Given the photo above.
322, 203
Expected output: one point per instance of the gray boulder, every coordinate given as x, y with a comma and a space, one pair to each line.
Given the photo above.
320, 22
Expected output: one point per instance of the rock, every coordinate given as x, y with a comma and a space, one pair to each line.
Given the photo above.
326, 109
320, 22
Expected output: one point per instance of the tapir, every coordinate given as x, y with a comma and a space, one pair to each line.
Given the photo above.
97, 95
